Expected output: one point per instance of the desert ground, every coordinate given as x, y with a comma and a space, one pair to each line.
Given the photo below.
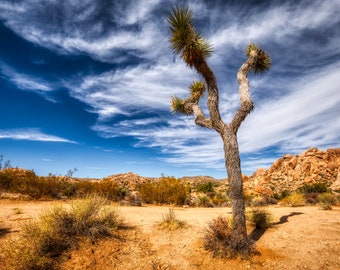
300, 238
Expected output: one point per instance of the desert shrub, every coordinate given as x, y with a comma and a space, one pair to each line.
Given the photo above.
170, 220
220, 199
109, 189
59, 229
327, 197
6, 180
282, 195
148, 192
293, 200
313, 188
204, 201
260, 217
205, 187
327, 200
168, 190
222, 241
13, 180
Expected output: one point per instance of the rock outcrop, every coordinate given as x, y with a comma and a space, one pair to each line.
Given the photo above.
291, 172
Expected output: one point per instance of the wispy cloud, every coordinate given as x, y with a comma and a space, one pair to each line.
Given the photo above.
31, 134
103, 30
24, 81
133, 90
308, 116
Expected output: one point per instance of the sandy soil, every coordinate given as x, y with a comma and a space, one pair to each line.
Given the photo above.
302, 238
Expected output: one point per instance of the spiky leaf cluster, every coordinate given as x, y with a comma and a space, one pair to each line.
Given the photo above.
197, 88
178, 105
184, 38
263, 60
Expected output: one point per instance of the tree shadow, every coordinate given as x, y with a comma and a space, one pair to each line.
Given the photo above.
257, 233
284, 219
4, 231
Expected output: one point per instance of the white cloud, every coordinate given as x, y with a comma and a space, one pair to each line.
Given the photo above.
306, 117
23, 81
135, 11
31, 134
278, 23
82, 27
132, 90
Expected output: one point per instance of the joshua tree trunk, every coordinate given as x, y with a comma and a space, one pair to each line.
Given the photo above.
233, 166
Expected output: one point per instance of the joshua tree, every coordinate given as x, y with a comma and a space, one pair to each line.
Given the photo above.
194, 50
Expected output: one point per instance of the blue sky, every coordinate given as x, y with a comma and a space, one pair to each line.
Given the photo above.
87, 84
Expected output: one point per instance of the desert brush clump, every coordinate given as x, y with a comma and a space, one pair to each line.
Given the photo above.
293, 200
223, 241
170, 221
260, 217
321, 187
59, 229
205, 187
168, 190
327, 200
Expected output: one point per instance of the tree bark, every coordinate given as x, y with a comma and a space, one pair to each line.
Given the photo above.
233, 165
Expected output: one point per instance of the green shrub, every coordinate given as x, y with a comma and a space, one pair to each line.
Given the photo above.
222, 241
168, 190
313, 188
59, 229
282, 195
293, 200
260, 217
205, 187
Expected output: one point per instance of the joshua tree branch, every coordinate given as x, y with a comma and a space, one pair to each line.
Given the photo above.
200, 119
245, 99
213, 104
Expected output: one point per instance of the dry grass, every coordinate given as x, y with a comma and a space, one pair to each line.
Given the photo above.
260, 217
59, 229
293, 200
170, 221
327, 200
18, 211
